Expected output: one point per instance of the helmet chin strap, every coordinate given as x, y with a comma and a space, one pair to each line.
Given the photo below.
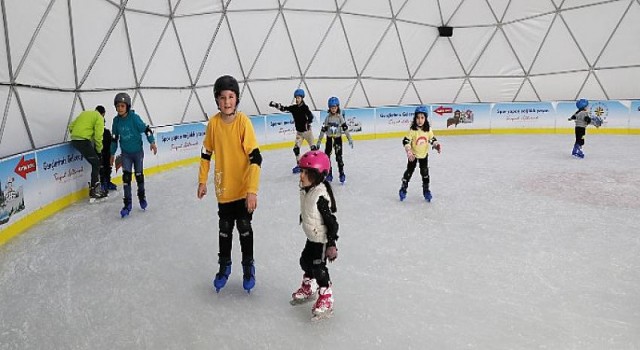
228, 115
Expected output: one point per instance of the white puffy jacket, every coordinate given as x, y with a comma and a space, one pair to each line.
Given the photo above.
312, 222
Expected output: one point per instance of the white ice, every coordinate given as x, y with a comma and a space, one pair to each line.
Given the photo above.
523, 247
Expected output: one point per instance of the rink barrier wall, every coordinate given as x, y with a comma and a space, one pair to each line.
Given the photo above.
38, 184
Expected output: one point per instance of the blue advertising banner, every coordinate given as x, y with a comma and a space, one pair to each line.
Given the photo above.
634, 115
523, 115
464, 116
61, 170
15, 173
179, 142
359, 120
613, 113
259, 128
280, 128
394, 119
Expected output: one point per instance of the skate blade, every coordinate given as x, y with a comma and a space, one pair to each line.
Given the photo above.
294, 302
323, 316
97, 200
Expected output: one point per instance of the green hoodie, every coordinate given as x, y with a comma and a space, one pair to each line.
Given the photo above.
88, 125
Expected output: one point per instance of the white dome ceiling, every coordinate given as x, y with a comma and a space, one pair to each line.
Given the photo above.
65, 56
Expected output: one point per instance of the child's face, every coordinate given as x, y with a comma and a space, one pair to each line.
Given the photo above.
420, 118
121, 108
333, 109
304, 178
298, 100
227, 101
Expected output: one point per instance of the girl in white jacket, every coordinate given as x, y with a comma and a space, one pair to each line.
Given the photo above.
317, 208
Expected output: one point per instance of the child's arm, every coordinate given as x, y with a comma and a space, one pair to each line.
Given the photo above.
323, 130
98, 133
406, 143
250, 146
205, 161
115, 136
146, 129
345, 130
309, 115
332, 227
279, 106
573, 117
434, 142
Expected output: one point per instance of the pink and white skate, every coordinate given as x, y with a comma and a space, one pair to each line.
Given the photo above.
304, 293
323, 308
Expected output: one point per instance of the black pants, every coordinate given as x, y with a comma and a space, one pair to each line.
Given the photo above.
105, 164
235, 214
85, 147
580, 133
314, 264
424, 171
335, 143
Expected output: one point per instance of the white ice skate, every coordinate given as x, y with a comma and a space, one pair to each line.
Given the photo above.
305, 293
323, 308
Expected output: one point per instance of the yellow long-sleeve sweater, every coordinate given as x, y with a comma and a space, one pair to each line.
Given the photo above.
230, 144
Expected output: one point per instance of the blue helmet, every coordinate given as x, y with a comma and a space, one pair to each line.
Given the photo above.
422, 109
333, 101
582, 103
298, 92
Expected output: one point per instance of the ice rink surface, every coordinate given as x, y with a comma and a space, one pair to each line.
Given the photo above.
523, 247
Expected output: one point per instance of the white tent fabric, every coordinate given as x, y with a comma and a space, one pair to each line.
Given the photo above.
64, 56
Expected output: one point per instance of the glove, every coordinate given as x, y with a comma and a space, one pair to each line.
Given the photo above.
274, 105
331, 253
437, 146
351, 143
410, 155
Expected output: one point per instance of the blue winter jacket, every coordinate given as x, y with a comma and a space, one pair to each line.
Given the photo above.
127, 130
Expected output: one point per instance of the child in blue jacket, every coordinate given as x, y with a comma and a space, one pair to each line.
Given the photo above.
126, 130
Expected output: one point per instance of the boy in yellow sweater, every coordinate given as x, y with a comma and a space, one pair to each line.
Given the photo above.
230, 138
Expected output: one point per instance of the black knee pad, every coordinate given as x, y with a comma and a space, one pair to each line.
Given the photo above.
244, 227
296, 150
140, 178
126, 177
424, 172
226, 227
320, 274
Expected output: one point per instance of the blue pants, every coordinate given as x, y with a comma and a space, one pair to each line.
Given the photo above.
132, 161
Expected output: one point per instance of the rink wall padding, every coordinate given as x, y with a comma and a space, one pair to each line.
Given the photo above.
37, 184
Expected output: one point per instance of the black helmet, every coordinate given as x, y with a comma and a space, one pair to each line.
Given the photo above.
122, 97
226, 82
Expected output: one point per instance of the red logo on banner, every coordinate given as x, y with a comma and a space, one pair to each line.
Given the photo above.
442, 110
25, 166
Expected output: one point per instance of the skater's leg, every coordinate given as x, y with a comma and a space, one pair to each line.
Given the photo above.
85, 147
127, 175
225, 238
323, 306
337, 146
424, 173
246, 245
138, 166
308, 136
328, 147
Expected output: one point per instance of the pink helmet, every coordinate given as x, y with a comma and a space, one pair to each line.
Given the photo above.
315, 160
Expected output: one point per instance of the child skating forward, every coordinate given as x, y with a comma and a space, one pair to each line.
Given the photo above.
334, 126
416, 144
302, 118
126, 130
231, 140
317, 208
